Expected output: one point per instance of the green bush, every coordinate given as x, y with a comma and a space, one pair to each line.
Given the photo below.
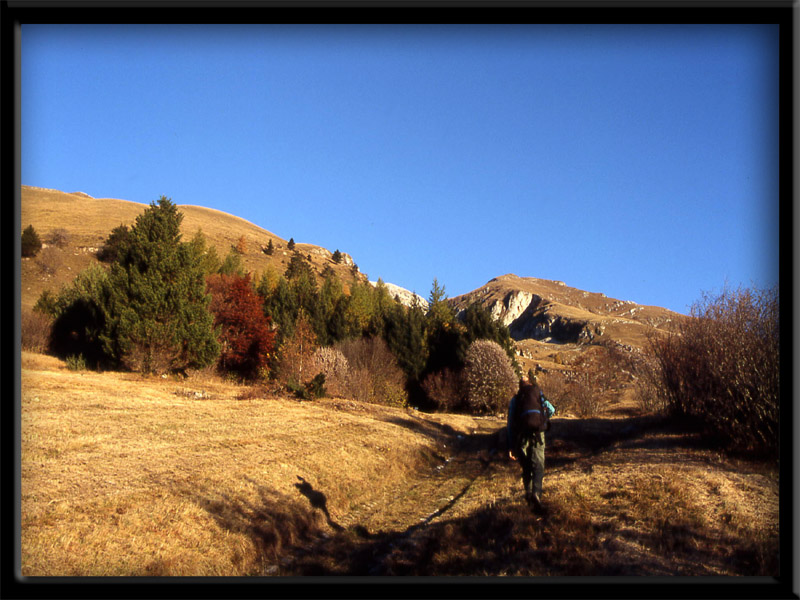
31, 243
76, 362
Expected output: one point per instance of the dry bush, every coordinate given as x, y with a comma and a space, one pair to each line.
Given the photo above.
59, 237
489, 376
447, 389
722, 366
50, 260
332, 363
156, 356
649, 392
35, 331
555, 387
374, 375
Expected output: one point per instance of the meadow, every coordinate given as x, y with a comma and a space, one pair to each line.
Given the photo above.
126, 474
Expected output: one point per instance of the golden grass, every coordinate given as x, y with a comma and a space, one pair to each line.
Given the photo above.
89, 221
128, 475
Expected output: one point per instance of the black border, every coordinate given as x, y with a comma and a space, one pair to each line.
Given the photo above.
15, 13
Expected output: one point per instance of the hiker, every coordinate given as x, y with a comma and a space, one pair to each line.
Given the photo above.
529, 415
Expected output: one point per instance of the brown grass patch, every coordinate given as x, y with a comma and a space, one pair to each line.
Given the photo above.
135, 475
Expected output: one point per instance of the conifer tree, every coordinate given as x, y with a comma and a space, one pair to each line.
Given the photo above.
31, 243
115, 242
232, 265
290, 245
206, 255
158, 305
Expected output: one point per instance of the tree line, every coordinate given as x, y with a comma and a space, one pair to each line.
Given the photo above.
157, 304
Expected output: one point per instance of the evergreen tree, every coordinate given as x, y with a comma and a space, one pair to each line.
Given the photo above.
158, 305
79, 316
232, 265
480, 325
205, 255
298, 265
337, 257
439, 311
31, 243
330, 305
270, 249
290, 245
114, 244
281, 306
267, 283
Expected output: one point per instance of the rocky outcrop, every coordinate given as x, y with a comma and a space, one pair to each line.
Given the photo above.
405, 297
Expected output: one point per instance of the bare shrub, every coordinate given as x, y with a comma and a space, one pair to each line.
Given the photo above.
649, 392
59, 237
489, 376
447, 389
35, 331
50, 260
595, 373
584, 395
555, 387
374, 374
332, 363
722, 366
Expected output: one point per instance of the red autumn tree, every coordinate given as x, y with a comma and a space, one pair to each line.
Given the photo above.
245, 335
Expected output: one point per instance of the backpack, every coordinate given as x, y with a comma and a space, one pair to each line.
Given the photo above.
531, 415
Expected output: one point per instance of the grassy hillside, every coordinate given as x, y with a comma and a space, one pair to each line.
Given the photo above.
131, 475
88, 221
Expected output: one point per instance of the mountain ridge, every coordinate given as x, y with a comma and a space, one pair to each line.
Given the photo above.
543, 316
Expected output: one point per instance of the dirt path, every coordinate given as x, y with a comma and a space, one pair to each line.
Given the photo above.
625, 496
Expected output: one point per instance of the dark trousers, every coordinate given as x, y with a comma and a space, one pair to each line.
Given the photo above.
531, 457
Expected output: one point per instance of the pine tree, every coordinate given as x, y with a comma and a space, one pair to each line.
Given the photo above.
337, 257
31, 243
79, 313
158, 305
114, 244
290, 245
232, 265
206, 255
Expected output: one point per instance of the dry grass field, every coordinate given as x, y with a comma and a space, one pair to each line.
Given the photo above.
131, 475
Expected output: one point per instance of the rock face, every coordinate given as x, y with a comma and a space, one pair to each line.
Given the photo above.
551, 311
406, 298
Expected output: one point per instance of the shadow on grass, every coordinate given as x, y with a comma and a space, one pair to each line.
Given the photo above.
502, 538
318, 500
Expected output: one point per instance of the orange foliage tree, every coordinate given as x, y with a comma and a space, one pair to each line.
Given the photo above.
245, 335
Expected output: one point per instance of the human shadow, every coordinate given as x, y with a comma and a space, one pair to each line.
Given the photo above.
318, 500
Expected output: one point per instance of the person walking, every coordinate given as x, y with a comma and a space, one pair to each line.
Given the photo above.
529, 414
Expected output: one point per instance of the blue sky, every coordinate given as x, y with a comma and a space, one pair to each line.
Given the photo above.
637, 161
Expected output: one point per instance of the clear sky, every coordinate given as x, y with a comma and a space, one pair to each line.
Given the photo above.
637, 161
